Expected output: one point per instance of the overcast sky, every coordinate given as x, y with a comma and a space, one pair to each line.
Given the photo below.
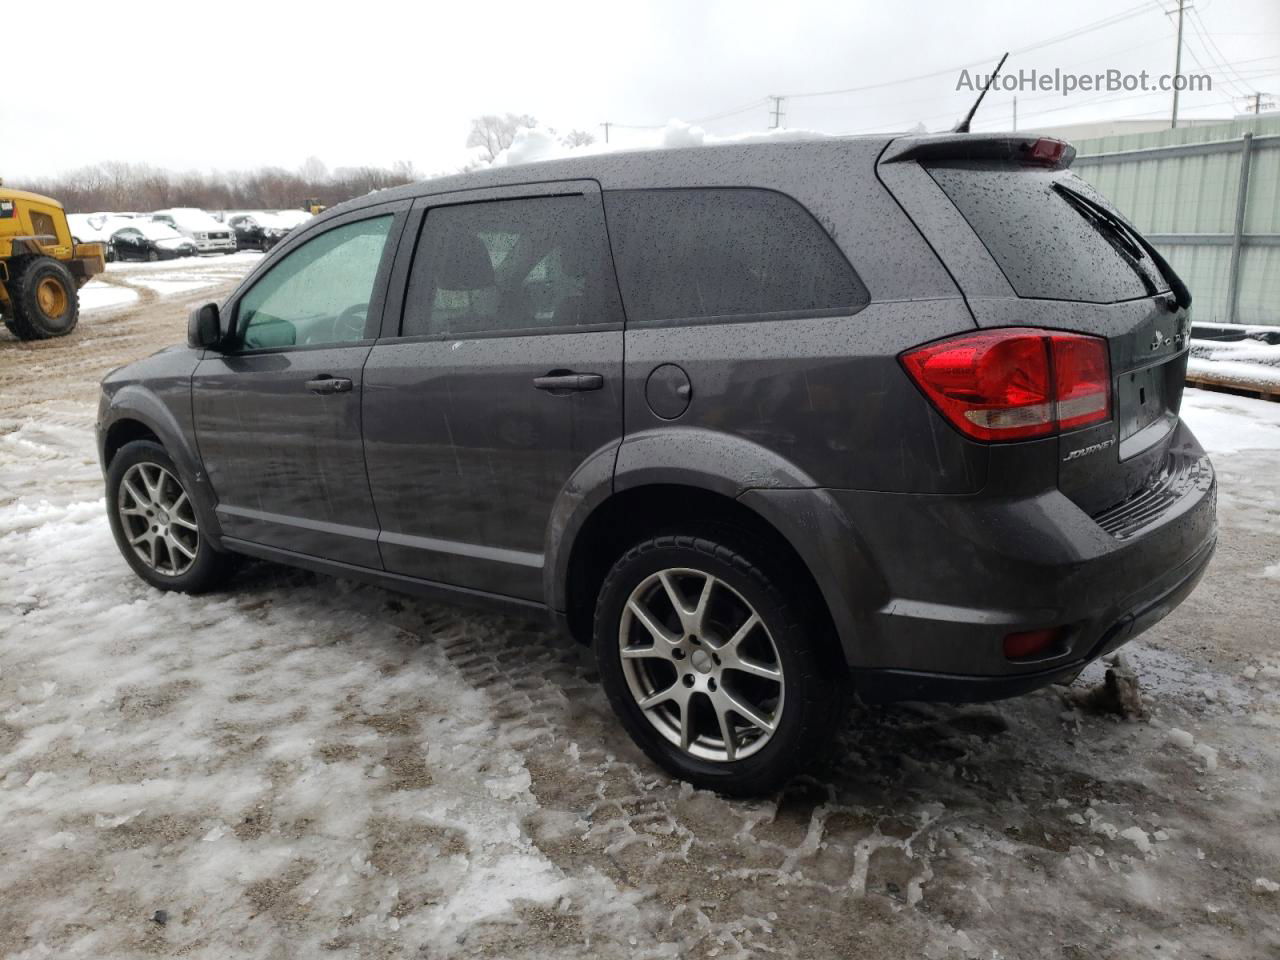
230, 85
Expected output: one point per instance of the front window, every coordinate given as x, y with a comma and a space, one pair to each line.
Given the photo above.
320, 292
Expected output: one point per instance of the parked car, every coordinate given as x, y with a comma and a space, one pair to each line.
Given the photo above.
292, 218
91, 228
257, 230
206, 233
149, 240
894, 416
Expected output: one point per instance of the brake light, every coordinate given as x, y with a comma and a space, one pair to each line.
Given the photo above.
1046, 151
1016, 383
1082, 379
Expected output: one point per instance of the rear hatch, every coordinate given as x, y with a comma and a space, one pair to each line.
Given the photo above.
1074, 263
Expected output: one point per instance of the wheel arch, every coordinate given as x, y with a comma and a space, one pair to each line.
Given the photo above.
135, 413
698, 478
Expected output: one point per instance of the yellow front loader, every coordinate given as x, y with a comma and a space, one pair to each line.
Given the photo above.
41, 268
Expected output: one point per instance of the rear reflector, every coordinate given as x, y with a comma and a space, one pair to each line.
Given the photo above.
1032, 643
1015, 384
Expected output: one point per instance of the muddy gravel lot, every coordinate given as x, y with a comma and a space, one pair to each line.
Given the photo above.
304, 767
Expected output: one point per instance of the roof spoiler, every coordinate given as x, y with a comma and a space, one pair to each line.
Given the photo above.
1001, 148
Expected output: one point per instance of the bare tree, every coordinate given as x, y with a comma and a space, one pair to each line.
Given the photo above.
494, 134
578, 138
313, 170
137, 187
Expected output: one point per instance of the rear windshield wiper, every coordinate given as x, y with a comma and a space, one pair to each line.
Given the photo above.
1121, 228
1115, 228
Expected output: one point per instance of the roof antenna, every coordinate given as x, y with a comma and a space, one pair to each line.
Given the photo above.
963, 125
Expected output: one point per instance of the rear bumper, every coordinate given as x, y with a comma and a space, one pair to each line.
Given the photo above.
940, 581
886, 685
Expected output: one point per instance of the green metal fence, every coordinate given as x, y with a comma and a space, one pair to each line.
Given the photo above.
1209, 198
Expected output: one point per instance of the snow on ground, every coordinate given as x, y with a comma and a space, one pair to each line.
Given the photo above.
173, 277
124, 282
98, 295
299, 766
1224, 423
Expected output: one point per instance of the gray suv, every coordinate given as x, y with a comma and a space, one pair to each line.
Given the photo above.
768, 424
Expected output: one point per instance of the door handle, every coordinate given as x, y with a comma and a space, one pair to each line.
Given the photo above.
558, 382
329, 385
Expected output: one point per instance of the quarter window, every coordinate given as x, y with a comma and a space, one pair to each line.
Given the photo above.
725, 252
511, 265
320, 292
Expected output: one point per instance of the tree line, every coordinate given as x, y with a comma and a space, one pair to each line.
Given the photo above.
127, 187
116, 186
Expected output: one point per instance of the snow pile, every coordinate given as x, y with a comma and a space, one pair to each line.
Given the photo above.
101, 297
537, 143
1248, 364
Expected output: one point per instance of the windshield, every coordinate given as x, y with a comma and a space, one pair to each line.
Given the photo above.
194, 220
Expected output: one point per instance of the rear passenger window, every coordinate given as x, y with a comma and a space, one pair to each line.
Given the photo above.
732, 252
511, 265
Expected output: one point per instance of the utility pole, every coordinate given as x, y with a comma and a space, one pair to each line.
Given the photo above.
776, 111
1015, 114
607, 124
1177, 65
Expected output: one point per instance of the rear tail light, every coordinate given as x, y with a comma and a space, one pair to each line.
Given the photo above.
1016, 383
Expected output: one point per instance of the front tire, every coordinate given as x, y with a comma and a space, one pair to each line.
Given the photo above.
713, 667
155, 524
45, 301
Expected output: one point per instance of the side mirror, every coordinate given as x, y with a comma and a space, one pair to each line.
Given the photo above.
204, 327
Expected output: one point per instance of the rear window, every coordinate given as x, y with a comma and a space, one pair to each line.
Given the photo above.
732, 253
1047, 248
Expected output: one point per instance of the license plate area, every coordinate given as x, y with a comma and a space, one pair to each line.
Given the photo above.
1147, 402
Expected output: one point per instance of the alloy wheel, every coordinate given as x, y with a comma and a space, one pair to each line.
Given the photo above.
701, 664
158, 519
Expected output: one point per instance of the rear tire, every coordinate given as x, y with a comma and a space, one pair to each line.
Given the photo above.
782, 671
153, 256
155, 523
44, 299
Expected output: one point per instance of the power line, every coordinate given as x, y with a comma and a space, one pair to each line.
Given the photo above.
1111, 20
986, 61
1104, 98
758, 102
1148, 6
1206, 38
